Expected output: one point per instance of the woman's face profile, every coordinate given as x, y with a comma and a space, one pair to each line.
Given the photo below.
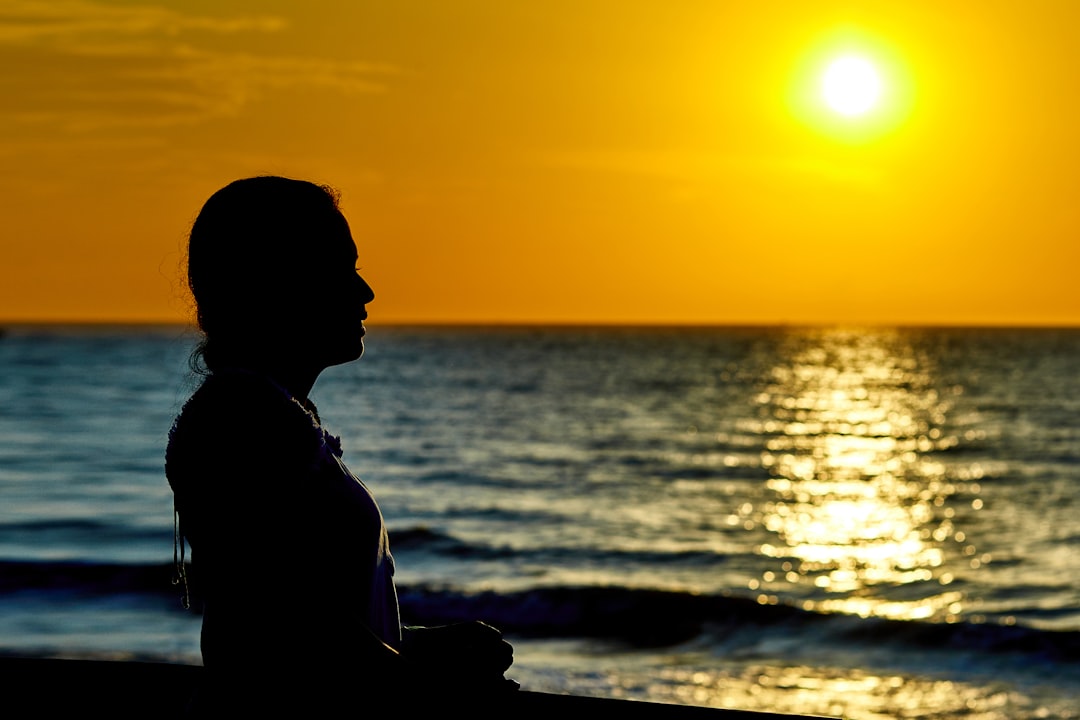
336, 299
272, 268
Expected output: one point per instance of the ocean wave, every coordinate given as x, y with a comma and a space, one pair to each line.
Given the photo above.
650, 618
34, 535
633, 616
423, 539
86, 578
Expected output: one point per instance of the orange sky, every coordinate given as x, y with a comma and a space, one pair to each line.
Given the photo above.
557, 160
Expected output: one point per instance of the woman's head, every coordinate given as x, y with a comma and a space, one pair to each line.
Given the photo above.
271, 265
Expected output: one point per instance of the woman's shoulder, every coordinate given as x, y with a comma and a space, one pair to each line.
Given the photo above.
239, 414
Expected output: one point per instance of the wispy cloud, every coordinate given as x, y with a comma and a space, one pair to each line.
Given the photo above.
65, 20
80, 66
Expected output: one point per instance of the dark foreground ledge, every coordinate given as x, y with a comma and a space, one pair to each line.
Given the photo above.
45, 687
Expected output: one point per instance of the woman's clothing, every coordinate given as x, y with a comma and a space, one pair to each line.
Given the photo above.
289, 549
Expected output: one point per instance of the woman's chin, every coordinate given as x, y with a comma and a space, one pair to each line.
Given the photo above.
354, 351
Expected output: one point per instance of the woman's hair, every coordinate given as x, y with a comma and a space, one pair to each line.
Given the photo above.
248, 254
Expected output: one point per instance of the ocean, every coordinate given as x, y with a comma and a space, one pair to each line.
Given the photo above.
873, 523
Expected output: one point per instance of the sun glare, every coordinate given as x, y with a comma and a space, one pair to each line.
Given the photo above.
851, 86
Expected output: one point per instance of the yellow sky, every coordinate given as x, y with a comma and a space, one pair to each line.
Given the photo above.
557, 160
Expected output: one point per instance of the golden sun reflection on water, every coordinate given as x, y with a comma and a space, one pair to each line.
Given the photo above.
852, 421
837, 692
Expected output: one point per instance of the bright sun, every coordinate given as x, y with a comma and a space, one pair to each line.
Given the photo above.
851, 86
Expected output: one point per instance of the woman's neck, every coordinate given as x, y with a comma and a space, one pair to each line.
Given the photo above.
295, 380
298, 383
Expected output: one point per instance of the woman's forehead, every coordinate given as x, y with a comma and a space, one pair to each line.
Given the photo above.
329, 240
343, 240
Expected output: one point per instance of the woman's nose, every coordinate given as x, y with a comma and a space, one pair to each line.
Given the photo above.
367, 294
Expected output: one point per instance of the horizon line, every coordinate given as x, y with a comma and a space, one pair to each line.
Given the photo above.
571, 324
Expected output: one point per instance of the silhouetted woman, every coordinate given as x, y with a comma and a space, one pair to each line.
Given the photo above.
289, 549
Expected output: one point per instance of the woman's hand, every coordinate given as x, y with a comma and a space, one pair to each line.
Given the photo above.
468, 656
